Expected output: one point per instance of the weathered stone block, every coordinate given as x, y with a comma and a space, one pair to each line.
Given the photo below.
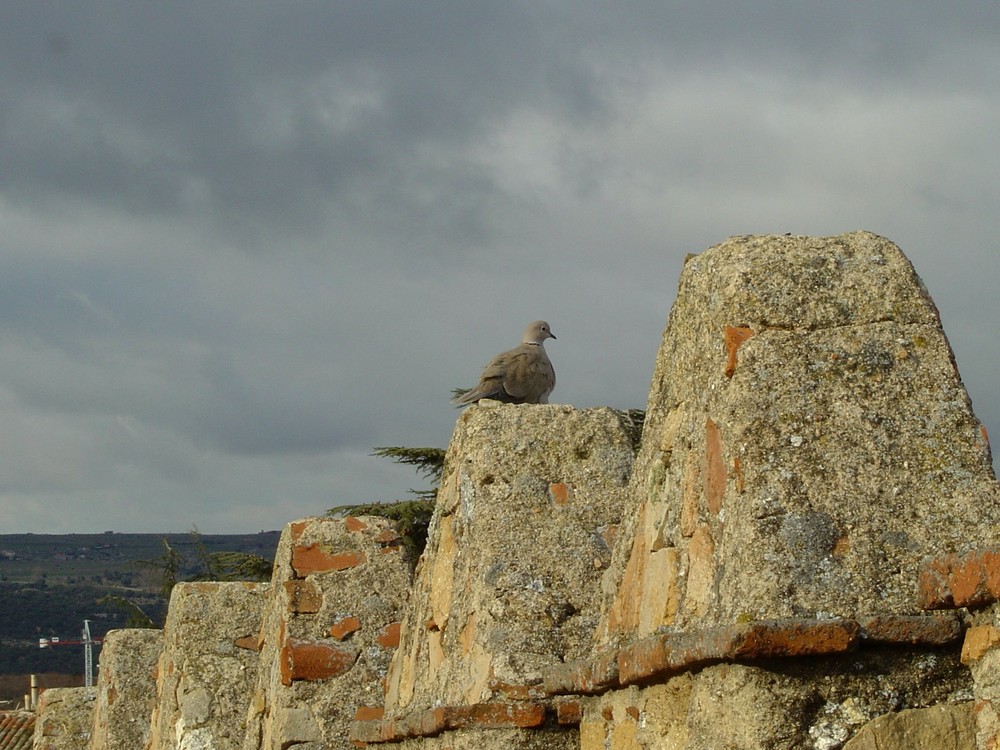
126, 689
814, 463
944, 727
808, 442
65, 718
205, 681
507, 585
320, 662
978, 641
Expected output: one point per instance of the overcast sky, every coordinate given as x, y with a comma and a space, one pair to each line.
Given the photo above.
243, 243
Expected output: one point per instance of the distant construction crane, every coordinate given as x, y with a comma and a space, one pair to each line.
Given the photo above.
88, 650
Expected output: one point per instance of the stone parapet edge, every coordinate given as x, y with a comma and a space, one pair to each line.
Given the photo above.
664, 654
655, 658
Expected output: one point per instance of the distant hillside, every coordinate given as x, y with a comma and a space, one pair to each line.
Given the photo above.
51, 583
109, 558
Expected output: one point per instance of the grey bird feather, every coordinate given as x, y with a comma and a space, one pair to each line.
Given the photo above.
523, 375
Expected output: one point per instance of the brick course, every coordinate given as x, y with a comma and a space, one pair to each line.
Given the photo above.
952, 581
653, 658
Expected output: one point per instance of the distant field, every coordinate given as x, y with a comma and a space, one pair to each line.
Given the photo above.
110, 557
51, 583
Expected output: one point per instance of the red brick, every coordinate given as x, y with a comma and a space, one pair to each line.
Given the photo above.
662, 655
495, 715
304, 597
796, 638
389, 637
426, 723
568, 712
951, 581
991, 568
735, 336
444, 718
249, 642
644, 659
369, 713
315, 558
715, 469
968, 581
370, 730
516, 692
584, 677
313, 660
934, 583
917, 630
296, 529
343, 628
354, 524
561, 493
389, 539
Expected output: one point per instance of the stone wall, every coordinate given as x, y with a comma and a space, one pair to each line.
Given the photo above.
331, 625
208, 666
808, 442
800, 553
65, 718
509, 582
126, 689
247, 665
808, 445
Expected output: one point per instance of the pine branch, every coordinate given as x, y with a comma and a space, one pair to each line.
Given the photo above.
429, 462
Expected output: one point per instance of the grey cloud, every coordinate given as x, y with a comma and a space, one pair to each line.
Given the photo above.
242, 247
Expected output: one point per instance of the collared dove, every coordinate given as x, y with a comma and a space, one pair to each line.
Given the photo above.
523, 375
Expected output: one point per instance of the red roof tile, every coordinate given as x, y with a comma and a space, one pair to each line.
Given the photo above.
16, 730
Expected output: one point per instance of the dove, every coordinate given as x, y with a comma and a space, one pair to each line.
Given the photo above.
523, 375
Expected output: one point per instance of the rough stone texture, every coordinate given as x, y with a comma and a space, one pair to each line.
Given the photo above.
981, 652
496, 739
65, 717
329, 631
126, 689
668, 653
520, 536
943, 727
807, 441
806, 703
204, 679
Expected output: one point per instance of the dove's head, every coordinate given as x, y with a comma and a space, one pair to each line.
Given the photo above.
536, 333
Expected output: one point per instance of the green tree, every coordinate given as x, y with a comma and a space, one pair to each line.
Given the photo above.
172, 567
412, 517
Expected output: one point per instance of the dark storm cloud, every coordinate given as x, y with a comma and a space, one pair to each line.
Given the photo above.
243, 243
267, 113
